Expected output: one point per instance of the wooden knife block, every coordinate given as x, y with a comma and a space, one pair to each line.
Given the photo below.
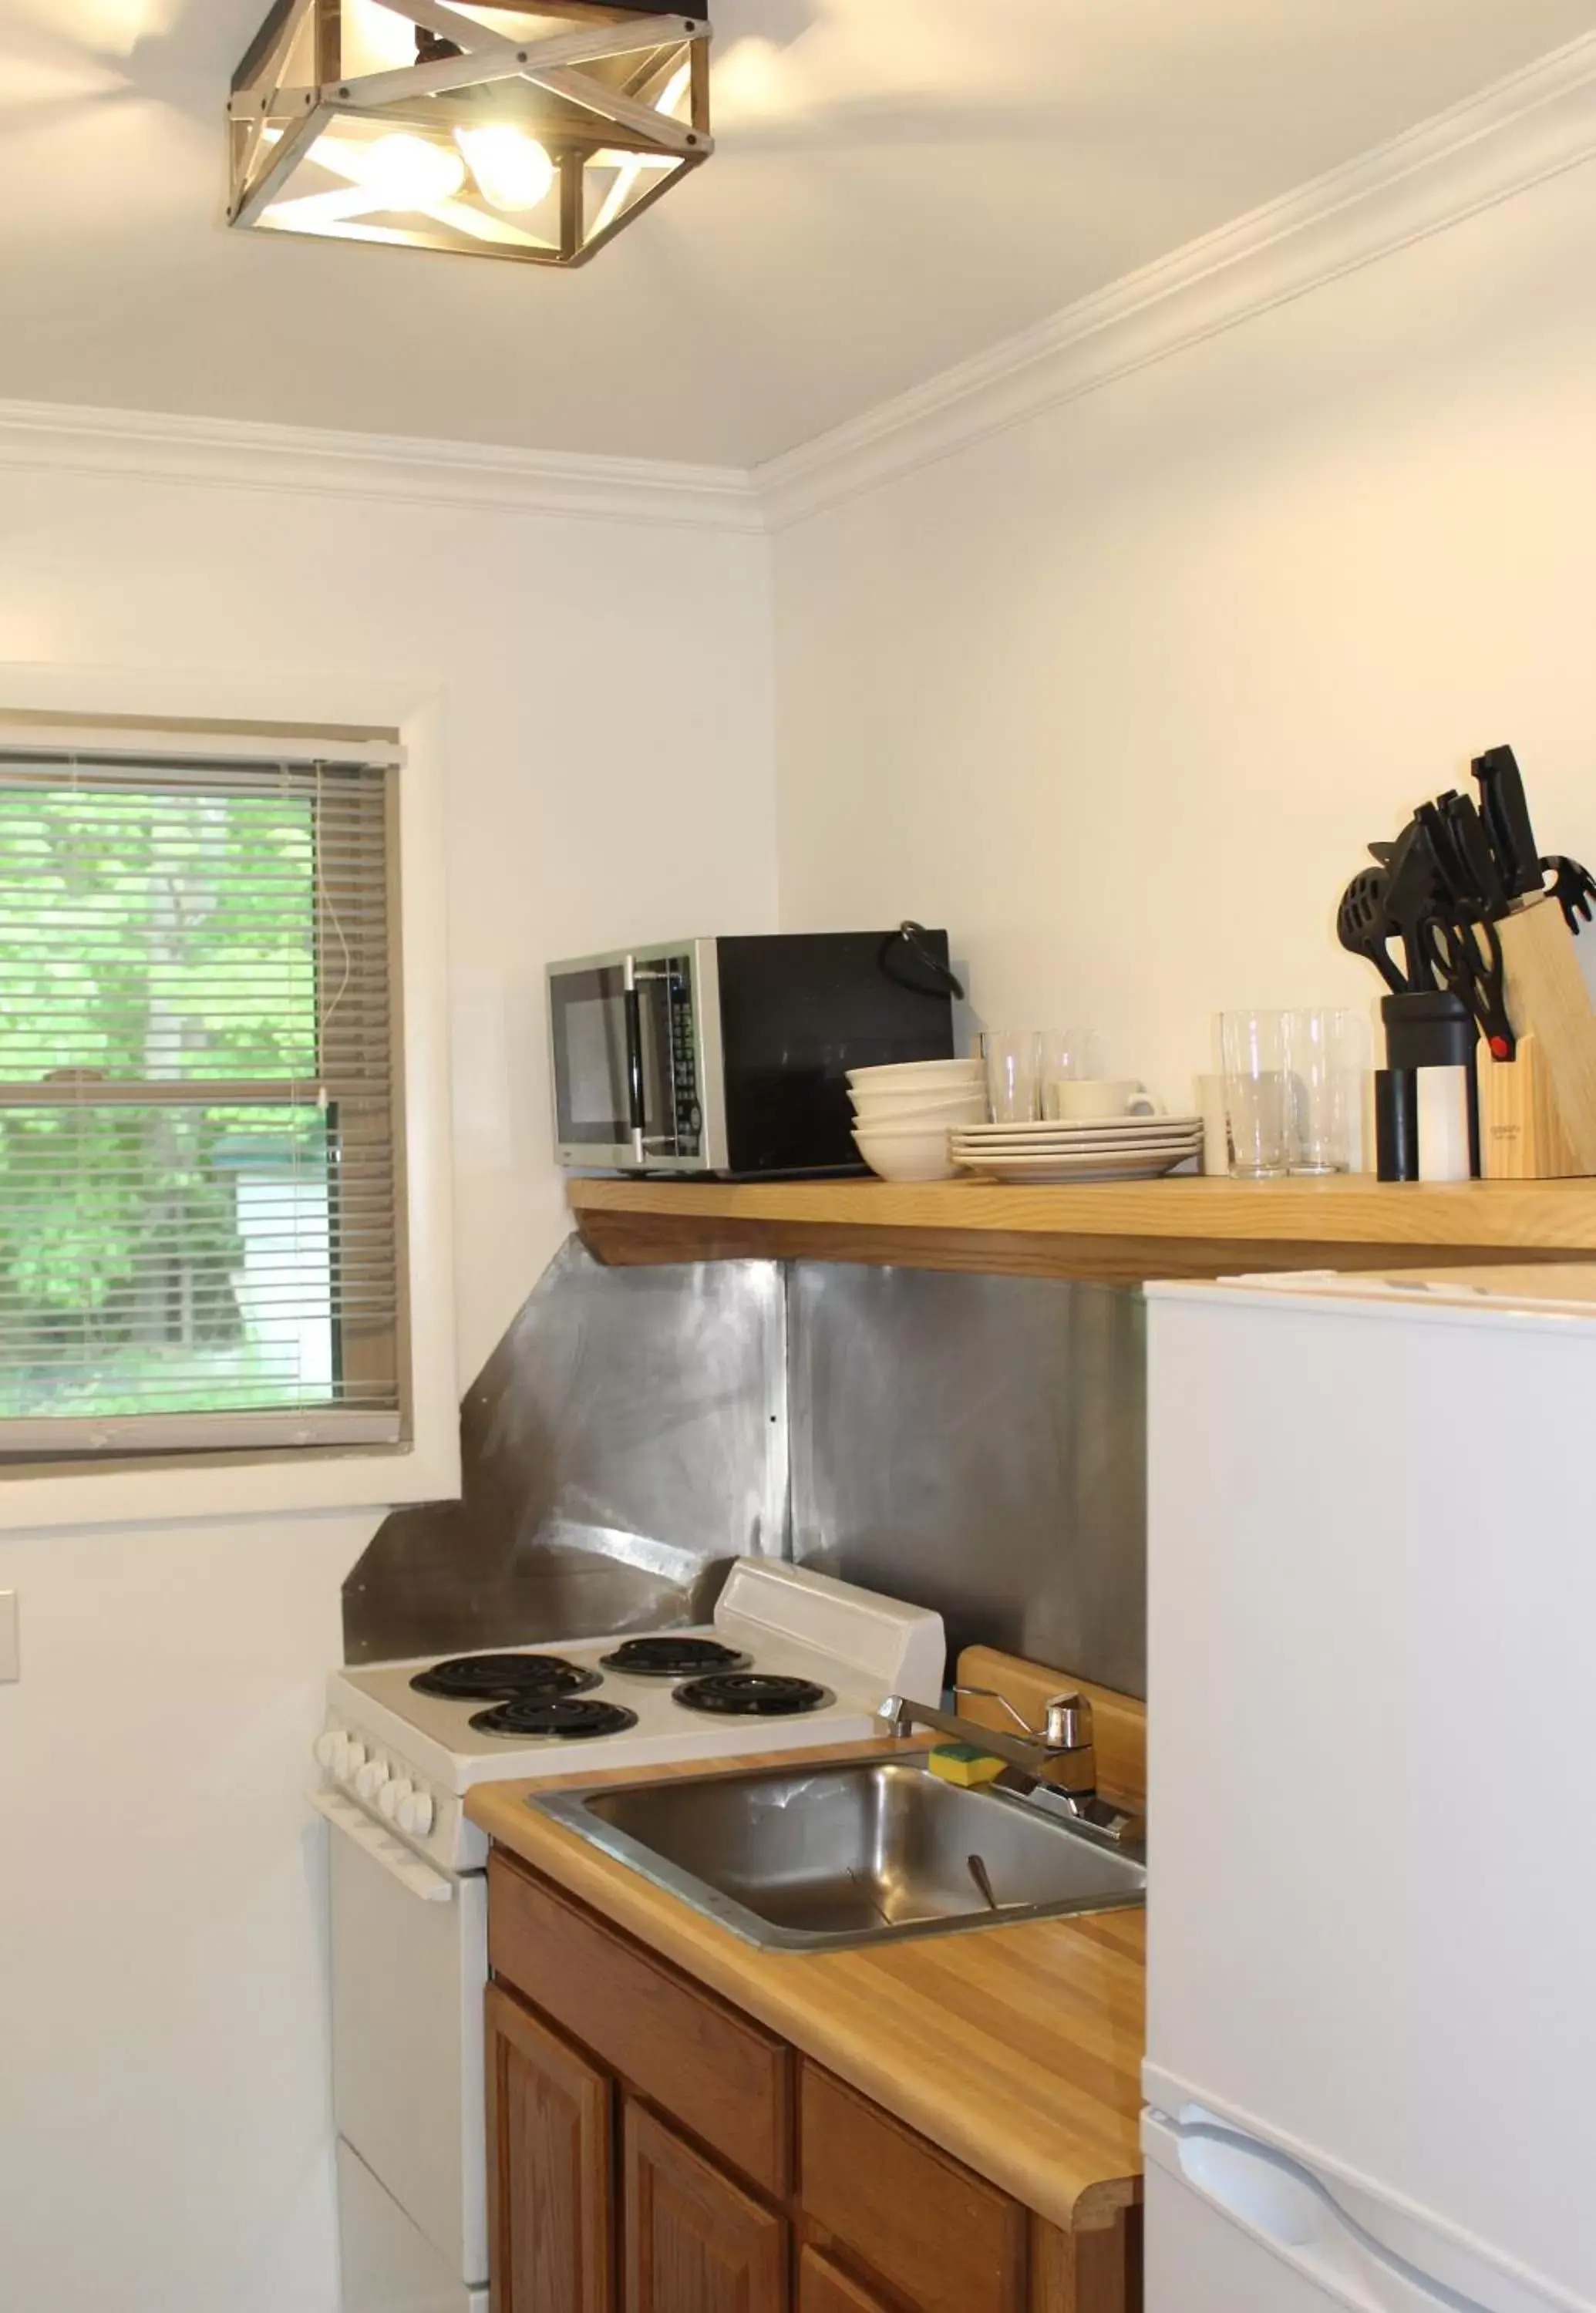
1521, 1133
1537, 1112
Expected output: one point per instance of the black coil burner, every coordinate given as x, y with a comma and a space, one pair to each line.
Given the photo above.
569, 1718
752, 1694
670, 1658
487, 1679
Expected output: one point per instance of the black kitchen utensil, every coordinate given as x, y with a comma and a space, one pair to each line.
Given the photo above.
1506, 814
1414, 895
1397, 1124
1468, 959
1574, 889
1456, 874
1472, 846
1364, 925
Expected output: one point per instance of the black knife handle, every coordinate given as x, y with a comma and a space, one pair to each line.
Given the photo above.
1506, 814
1457, 877
1472, 845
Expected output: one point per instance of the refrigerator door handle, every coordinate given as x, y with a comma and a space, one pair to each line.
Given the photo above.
1281, 2205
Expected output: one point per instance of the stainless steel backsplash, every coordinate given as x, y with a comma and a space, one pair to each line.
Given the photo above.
978, 1445
974, 1444
622, 1445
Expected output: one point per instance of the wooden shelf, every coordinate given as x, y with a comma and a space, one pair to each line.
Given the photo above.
1118, 1232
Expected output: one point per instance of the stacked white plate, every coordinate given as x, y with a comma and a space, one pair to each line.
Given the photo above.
1105, 1149
903, 1115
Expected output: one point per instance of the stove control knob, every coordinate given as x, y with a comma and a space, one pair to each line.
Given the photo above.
346, 1757
370, 1778
326, 1748
415, 1814
393, 1796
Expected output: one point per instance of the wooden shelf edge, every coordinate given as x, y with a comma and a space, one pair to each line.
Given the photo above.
1121, 1232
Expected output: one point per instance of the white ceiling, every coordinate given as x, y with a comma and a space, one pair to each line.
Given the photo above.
897, 185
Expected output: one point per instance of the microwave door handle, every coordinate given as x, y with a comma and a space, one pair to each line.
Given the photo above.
631, 1005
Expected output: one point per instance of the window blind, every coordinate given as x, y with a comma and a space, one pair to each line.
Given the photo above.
200, 1166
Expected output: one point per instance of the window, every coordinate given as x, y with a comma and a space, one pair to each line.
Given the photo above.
200, 1147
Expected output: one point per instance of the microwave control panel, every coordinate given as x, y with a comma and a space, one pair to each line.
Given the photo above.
685, 1089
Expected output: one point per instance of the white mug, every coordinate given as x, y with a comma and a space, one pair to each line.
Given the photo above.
1076, 1099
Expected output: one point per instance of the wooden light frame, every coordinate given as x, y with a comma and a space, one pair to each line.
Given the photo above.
617, 95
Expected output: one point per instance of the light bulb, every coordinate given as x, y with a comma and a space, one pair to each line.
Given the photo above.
512, 169
407, 173
675, 90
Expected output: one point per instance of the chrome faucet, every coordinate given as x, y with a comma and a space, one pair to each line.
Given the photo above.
1054, 1766
1065, 1733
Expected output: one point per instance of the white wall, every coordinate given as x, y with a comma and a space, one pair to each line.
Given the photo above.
1119, 695
605, 699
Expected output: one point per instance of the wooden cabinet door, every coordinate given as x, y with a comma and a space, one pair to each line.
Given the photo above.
693, 2242
824, 2288
938, 2236
551, 2203
723, 2079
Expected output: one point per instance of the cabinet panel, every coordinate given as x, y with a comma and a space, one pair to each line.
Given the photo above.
936, 2233
550, 2201
1096, 2271
694, 2241
824, 2288
727, 2080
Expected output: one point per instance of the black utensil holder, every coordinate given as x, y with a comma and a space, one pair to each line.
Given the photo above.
1427, 1029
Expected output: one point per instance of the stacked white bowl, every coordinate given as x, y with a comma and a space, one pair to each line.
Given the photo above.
904, 1114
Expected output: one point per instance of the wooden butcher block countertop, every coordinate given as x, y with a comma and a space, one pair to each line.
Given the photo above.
1016, 2049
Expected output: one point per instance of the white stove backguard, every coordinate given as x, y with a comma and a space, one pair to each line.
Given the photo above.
885, 1642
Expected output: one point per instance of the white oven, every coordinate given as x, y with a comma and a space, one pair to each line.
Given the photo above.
410, 1960
403, 1745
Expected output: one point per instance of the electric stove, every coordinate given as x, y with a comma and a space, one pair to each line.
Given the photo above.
791, 1659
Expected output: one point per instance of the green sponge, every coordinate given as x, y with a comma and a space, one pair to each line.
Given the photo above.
963, 1763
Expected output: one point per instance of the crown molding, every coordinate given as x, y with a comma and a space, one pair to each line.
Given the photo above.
151, 446
1526, 128
1529, 128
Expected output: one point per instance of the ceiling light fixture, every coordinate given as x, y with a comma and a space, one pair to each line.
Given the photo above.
512, 169
402, 171
535, 132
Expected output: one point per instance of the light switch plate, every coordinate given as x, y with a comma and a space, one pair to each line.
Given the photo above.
10, 1659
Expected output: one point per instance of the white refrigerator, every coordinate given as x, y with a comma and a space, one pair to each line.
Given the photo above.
1371, 2075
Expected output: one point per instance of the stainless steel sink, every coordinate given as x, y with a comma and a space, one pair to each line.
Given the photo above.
820, 1857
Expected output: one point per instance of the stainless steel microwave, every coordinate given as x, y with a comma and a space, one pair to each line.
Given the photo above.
731, 1056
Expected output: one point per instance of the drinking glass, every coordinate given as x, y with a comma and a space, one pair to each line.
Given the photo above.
1257, 1095
1067, 1056
1013, 1059
1320, 1058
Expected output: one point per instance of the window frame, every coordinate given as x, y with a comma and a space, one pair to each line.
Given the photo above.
55, 706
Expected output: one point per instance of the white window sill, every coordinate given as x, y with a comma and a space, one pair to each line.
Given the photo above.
286, 1483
